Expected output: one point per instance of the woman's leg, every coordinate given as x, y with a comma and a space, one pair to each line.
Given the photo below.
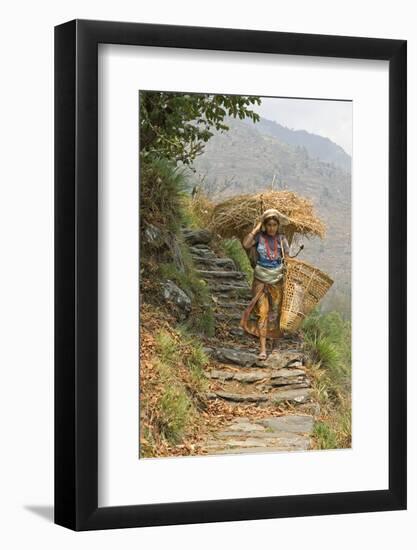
277, 293
263, 309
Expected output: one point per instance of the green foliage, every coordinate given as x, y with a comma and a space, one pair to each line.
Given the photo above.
148, 443
345, 425
176, 409
327, 338
162, 192
189, 217
186, 349
234, 250
167, 348
195, 359
201, 319
325, 436
336, 431
323, 350
197, 210
176, 125
202, 323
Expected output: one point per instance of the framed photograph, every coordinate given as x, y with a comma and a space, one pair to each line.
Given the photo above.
230, 274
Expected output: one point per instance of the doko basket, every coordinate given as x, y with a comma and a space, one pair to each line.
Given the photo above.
304, 286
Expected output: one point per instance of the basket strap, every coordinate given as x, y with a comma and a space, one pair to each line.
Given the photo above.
282, 248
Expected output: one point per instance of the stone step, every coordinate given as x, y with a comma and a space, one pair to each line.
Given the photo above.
234, 336
234, 356
287, 376
231, 304
238, 332
196, 236
202, 247
286, 359
231, 294
253, 381
238, 397
281, 448
246, 378
249, 346
293, 396
238, 288
291, 442
275, 377
228, 316
244, 358
202, 254
244, 435
214, 264
229, 275
288, 423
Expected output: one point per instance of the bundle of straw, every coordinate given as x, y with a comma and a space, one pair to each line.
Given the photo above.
237, 216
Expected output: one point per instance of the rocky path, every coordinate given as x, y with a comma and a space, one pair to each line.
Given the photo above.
279, 387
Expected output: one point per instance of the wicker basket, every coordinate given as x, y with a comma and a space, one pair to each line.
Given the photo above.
304, 286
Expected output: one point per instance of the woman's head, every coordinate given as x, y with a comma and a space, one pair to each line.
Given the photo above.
270, 221
271, 225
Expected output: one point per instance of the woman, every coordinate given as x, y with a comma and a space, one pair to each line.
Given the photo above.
267, 286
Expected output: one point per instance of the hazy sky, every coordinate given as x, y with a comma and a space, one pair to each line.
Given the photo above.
332, 119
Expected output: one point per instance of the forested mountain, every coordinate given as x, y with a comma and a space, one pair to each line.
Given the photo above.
249, 158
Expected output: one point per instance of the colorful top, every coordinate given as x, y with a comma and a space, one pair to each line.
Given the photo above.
269, 249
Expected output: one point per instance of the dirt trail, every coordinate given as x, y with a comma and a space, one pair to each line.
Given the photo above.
279, 387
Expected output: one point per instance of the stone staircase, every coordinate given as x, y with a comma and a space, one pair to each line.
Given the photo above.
238, 378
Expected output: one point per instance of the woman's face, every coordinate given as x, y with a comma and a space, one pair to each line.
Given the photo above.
271, 227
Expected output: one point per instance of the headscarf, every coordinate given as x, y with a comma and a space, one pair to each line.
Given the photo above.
273, 213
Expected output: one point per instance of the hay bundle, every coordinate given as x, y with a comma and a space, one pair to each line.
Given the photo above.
235, 217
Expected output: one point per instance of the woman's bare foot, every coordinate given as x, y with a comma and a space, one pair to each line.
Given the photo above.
262, 355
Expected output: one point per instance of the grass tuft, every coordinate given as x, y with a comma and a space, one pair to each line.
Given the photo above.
233, 249
325, 436
327, 339
175, 408
172, 383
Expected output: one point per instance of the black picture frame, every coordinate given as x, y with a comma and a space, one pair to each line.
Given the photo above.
76, 272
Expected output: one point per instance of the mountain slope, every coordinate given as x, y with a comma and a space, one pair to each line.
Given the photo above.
318, 147
243, 160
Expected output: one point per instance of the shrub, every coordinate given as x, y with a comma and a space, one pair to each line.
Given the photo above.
327, 338
162, 193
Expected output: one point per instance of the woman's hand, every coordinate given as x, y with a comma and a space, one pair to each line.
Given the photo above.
257, 228
249, 240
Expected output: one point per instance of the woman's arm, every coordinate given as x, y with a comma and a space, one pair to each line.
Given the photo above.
285, 245
249, 240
